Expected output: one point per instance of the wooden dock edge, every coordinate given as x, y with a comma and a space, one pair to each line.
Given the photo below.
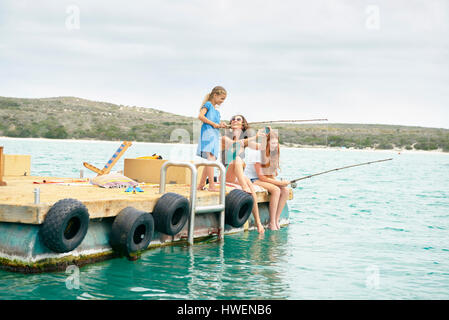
98, 209
2, 168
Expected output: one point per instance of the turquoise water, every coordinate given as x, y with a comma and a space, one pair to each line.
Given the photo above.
371, 232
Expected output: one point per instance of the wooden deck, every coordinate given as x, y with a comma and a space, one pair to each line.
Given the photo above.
17, 198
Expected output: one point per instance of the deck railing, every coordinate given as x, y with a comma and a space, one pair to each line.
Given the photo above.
220, 207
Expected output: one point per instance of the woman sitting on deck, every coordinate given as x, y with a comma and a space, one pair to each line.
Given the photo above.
262, 168
233, 151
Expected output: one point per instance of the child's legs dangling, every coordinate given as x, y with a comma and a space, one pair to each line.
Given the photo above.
255, 210
238, 171
274, 192
285, 192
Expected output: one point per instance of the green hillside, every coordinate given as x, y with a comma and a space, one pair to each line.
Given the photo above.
76, 118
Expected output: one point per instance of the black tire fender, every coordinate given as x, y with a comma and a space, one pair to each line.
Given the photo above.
171, 213
238, 207
132, 231
65, 225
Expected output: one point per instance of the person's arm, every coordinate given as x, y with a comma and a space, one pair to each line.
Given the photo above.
252, 141
264, 178
226, 142
202, 117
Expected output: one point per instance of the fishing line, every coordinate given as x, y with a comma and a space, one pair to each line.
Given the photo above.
293, 182
281, 121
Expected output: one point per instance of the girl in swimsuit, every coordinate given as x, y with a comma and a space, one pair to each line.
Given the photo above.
233, 151
262, 169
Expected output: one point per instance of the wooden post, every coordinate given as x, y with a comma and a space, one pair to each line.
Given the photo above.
2, 168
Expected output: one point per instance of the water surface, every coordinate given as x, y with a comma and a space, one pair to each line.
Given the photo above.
372, 232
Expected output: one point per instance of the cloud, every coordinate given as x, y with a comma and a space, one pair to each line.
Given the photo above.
287, 58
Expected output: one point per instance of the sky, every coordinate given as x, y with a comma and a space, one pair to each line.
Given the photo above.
358, 61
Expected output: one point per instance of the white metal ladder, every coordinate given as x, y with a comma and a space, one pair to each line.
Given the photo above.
193, 208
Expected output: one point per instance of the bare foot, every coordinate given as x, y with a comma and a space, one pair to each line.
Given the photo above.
260, 228
246, 189
215, 189
200, 188
272, 226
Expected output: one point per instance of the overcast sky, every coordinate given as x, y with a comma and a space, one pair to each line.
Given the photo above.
379, 61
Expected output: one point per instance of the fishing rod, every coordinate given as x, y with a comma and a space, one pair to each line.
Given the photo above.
283, 121
293, 182
293, 121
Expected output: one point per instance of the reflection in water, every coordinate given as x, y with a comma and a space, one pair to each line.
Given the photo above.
242, 266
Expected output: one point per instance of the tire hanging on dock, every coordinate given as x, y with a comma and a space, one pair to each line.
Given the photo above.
132, 231
65, 225
238, 207
171, 213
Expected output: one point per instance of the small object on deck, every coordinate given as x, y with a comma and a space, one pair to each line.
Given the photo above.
92, 168
153, 157
113, 180
65, 181
108, 166
133, 189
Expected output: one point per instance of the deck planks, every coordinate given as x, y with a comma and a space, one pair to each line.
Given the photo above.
17, 198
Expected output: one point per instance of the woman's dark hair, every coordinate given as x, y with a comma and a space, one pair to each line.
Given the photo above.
245, 126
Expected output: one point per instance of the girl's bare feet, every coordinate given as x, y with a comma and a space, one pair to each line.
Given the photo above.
272, 226
260, 228
200, 187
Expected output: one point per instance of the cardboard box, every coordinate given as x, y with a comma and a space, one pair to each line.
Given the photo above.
2, 167
149, 171
16, 165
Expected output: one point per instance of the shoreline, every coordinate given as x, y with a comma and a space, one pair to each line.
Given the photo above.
289, 146
394, 150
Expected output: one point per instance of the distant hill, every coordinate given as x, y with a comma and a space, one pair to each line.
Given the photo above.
76, 118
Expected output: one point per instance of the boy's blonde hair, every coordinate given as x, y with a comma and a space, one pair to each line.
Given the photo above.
216, 91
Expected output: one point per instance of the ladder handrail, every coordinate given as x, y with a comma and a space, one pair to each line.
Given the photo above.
194, 171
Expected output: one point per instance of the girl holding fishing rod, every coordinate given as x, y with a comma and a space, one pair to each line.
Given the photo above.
233, 146
208, 146
262, 169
